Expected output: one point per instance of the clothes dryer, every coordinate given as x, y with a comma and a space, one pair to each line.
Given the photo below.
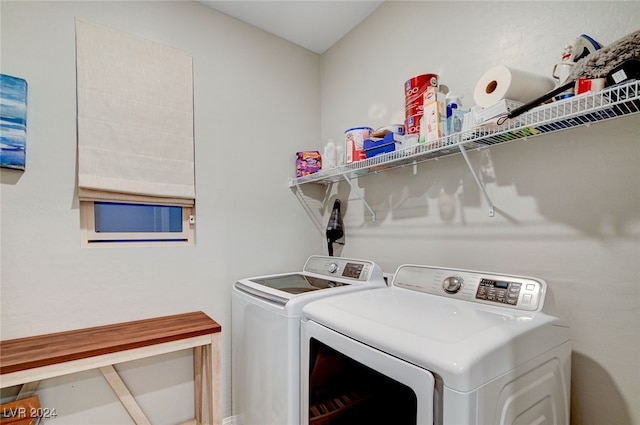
438, 346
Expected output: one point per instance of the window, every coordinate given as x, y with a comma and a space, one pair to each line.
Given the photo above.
116, 223
136, 181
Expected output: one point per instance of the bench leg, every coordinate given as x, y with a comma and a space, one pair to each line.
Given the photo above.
208, 385
121, 390
197, 377
27, 390
215, 380
210, 382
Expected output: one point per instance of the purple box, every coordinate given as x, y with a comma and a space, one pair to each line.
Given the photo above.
308, 162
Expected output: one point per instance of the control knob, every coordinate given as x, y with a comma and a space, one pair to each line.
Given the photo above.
452, 284
333, 267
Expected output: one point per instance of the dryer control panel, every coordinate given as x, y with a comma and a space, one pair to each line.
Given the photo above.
519, 292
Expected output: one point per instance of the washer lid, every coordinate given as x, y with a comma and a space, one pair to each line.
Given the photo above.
296, 283
467, 344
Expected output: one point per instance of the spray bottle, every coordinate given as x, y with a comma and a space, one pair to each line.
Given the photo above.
562, 71
454, 119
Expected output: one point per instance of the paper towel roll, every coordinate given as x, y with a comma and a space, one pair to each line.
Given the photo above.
502, 82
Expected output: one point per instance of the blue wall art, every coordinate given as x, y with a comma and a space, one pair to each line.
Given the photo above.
13, 122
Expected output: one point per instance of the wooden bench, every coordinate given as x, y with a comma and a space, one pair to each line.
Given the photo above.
29, 360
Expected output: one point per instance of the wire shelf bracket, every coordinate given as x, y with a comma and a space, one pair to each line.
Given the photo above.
478, 182
360, 195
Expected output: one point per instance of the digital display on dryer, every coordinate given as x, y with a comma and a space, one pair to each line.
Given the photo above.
498, 291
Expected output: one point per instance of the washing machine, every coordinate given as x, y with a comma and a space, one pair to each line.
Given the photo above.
438, 346
265, 332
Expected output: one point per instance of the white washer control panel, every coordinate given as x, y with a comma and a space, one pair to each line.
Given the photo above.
519, 292
359, 270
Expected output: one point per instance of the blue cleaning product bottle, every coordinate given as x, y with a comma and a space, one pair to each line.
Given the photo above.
453, 102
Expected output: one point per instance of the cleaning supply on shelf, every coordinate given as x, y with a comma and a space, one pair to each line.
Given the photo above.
308, 162
453, 103
329, 158
393, 128
354, 143
340, 158
414, 89
384, 140
458, 115
377, 146
598, 63
434, 118
589, 85
490, 115
562, 71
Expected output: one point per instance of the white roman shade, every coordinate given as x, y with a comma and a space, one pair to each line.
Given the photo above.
135, 118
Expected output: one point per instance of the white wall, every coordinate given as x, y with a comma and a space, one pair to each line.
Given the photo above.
568, 204
256, 103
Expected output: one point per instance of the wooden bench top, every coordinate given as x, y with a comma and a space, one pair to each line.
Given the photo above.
44, 350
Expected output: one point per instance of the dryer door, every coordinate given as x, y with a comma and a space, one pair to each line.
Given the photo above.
344, 381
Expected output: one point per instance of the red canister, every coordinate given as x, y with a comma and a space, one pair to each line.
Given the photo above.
414, 89
412, 124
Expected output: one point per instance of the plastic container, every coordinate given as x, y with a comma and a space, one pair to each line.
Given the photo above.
354, 143
453, 103
340, 157
414, 89
329, 158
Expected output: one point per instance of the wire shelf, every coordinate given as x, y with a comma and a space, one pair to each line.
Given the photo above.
584, 109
